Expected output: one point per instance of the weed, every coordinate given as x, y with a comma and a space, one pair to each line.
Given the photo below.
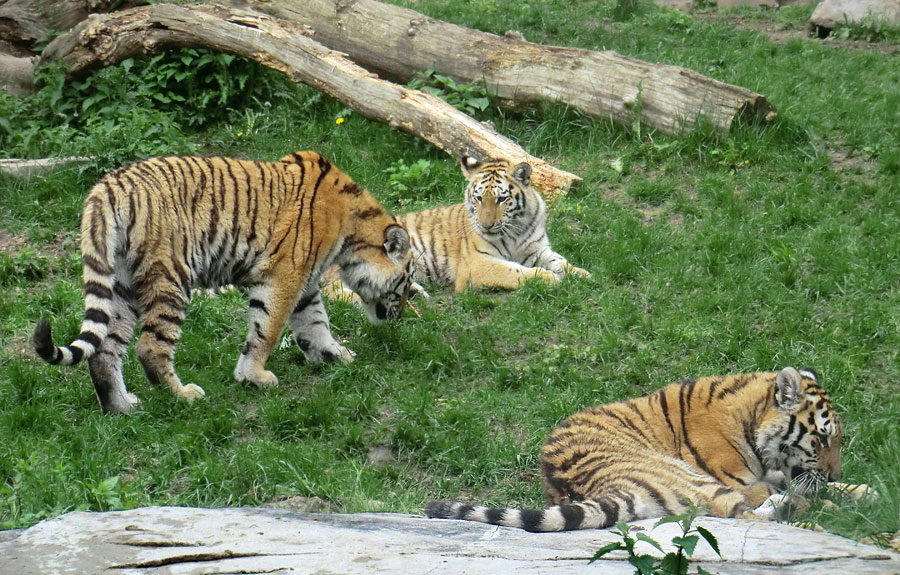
469, 98
674, 562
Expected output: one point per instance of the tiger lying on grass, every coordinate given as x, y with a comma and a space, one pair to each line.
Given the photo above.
152, 230
730, 444
496, 238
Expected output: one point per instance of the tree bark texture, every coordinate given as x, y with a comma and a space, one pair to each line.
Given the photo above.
397, 43
16, 74
107, 39
24, 21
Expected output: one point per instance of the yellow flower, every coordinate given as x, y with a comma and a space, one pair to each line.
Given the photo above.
339, 121
240, 134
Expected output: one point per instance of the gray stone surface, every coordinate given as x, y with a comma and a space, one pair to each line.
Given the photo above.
176, 540
830, 13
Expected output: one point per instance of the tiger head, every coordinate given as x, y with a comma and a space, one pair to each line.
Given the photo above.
378, 266
801, 435
495, 195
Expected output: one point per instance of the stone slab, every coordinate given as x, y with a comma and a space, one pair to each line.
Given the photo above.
831, 13
179, 540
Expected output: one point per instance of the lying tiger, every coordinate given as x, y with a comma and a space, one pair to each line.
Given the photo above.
153, 230
730, 444
496, 238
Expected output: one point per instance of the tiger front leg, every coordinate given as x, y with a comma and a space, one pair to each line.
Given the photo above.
312, 331
268, 308
488, 271
549, 259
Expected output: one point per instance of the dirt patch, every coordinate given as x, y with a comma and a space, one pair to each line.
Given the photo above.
62, 245
11, 244
648, 212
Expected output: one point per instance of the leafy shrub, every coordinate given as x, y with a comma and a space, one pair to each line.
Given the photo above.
468, 98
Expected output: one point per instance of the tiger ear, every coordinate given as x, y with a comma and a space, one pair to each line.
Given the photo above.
787, 388
522, 173
396, 243
469, 164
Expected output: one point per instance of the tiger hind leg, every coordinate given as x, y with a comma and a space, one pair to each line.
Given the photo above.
106, 364
163, 308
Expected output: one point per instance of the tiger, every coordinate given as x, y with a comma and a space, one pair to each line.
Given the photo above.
496, 238
153, 230
731, 445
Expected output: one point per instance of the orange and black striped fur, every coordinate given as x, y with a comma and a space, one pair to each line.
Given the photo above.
153, 230
496, 238
730, 444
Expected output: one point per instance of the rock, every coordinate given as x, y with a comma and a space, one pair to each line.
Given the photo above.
178, 540
831, 13
380, 455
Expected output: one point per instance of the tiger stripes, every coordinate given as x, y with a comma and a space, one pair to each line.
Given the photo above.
496, 238
154, 229
730, 444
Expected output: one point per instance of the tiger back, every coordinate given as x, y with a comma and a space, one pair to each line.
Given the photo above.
730, 444
154, 229
496, 238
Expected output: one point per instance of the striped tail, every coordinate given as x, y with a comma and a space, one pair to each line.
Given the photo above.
592, 514
98, 233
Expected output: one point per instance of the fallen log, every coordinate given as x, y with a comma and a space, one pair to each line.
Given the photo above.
109, 38
25, 21
16, 74
396, 43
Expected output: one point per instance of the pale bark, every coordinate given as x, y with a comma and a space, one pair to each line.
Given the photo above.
106, 39
16, 74
24, 21
397, 43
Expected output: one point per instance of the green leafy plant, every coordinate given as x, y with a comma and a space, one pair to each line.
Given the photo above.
468, 98
674, 562
408, 181
28, 264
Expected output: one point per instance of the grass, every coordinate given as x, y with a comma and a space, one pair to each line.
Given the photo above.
775, 247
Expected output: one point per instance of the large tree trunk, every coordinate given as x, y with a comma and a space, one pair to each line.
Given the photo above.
397, 42
106, 39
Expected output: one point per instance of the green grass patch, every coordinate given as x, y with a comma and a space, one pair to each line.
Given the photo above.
776, 246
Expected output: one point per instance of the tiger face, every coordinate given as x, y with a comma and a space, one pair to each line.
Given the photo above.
494, 195
380, 274
802, 438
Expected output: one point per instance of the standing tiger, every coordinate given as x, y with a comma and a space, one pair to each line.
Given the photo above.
729, 444
496, 238
152, 230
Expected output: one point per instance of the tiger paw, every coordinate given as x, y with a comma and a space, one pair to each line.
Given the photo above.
770, 508
855, 491
546, 275
264, 378
190, 392
570, 269
329, 352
